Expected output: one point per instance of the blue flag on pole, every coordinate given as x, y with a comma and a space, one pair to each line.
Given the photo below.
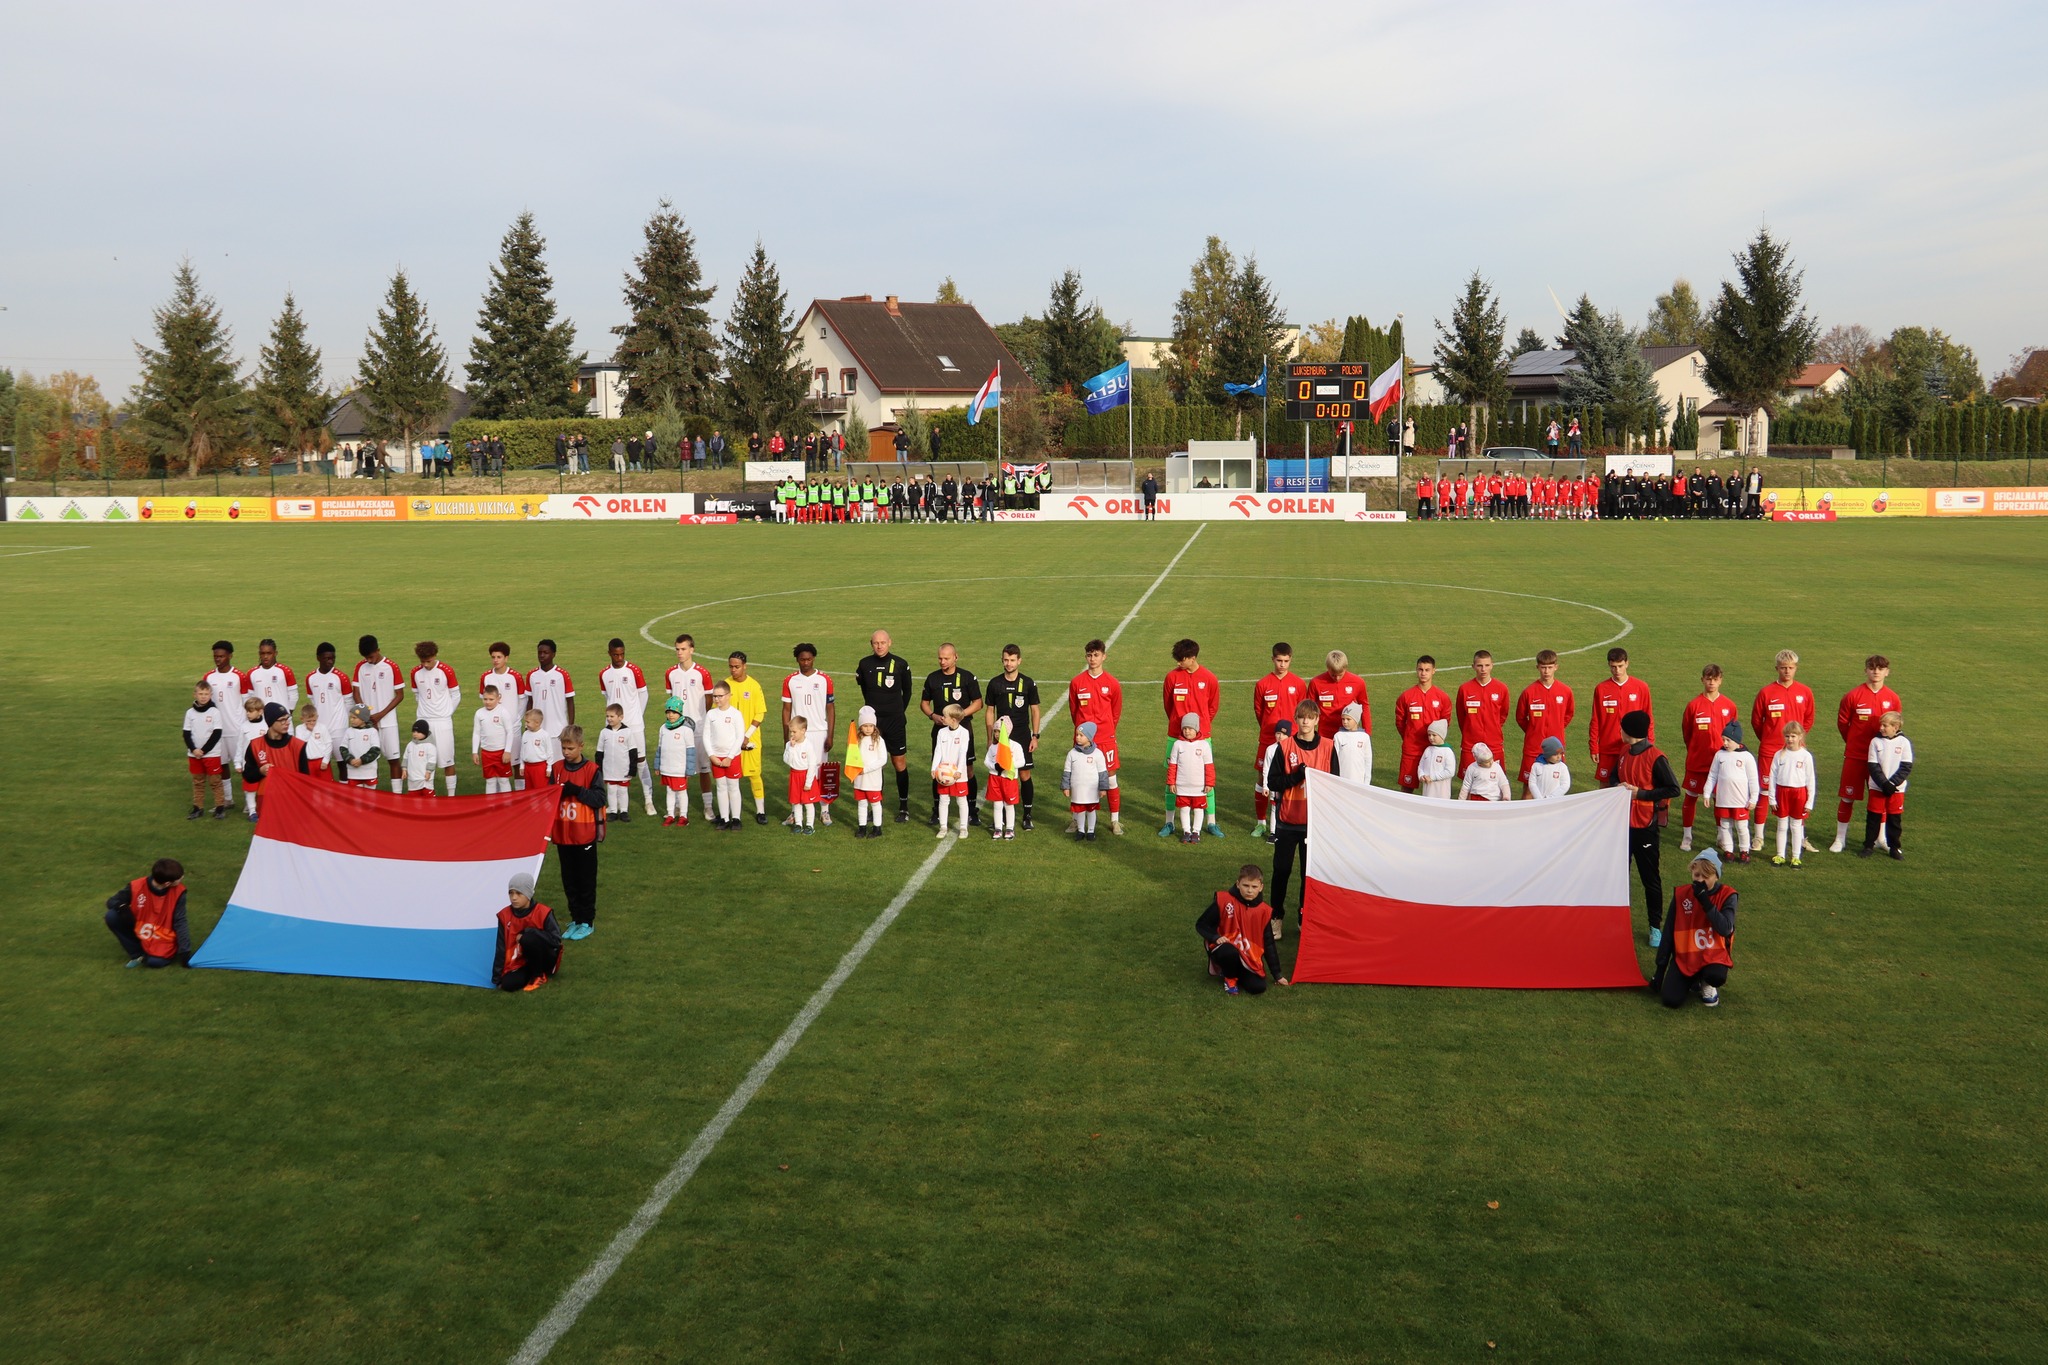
1257, 390
1110, 389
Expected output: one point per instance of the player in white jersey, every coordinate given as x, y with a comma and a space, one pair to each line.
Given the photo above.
435, 693
550, 692
511, 686
270, 681
690, 683
331, 692
807, 695
625, 687
230, 685
379, 685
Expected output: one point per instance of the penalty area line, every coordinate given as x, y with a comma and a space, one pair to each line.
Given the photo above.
579, 1295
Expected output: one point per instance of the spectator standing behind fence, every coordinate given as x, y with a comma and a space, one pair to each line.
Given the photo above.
698, 453
714, 450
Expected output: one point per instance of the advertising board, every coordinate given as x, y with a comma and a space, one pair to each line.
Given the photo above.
616, 506
1211, 505
773, 471
71, 510
177, 511
1846, 502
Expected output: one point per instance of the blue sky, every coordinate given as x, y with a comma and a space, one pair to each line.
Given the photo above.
876, 148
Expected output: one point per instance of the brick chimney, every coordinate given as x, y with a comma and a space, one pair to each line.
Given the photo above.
890, 304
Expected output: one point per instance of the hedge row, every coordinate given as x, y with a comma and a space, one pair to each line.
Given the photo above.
530, 442
1968, 432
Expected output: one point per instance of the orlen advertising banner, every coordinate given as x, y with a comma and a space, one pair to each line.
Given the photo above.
617, 506
370, 508
71, 509
1826, 504
1210, 505
177, 511
1988, 502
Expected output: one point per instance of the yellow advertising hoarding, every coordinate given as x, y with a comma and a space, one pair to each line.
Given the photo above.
1825, 504
179, 511
511, 507
1989, 502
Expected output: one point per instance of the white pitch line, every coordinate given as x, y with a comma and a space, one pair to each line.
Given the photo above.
46, 550
563, 1315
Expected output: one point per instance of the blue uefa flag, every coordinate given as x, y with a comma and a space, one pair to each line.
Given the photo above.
1110, 389
1257, 388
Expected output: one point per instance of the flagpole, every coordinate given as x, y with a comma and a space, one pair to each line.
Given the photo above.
999, 425
1400, 416
1131, 418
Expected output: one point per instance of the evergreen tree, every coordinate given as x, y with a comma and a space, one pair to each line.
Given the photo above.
1674, 318
1469, 352
1609, 370
668, 346
1025, 339
1757, 337
1251, 338
522, 362
1527, 340
948, 292
189, 401
855, 429
1079, 342
1190, 371
402, 379
288, 400
766, 376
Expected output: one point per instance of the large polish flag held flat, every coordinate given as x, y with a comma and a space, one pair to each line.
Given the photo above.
342, 881
1412, 891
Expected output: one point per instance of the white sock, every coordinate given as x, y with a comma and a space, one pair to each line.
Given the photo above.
810, 816
1784, 832
1841, 831
860, 811
1756, 834
1742, 835
1728, 835
451, 784
945, 810
227, 790
249, 800
398, 785
1798, 836
760, 802
961, 802
647, 786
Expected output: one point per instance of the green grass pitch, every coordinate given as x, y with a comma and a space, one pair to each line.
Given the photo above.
1028, 1127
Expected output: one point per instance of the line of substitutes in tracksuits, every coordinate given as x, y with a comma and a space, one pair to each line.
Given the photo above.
920, 499
1519, 497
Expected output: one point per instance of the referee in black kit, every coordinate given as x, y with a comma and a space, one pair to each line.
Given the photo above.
1014, 694
884, 683
952, 685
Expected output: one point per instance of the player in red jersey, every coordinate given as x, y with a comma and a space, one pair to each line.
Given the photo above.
1093, 695
1274, 698
1545, 710
1614, 697
1189, 690
1482, 708
1778, 704
1857, 718
1702, 721
1461, 495
1335, 688
1415, 710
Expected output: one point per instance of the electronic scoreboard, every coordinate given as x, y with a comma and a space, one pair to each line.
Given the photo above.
1334, 392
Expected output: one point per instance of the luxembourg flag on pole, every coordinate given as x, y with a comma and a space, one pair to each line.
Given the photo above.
990, 394
1385, 390
345, 882
1413, 891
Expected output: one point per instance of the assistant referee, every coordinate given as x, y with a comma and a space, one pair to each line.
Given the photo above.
1013, 693
884, 682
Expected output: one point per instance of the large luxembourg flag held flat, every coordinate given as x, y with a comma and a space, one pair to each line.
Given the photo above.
1413, 891
990, 394
342, 881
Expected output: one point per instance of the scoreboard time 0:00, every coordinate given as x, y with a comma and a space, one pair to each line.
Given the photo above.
1327, 393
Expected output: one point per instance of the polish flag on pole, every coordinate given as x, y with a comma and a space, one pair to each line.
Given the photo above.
345, 882
1385, 390
1414, 891
990, 394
